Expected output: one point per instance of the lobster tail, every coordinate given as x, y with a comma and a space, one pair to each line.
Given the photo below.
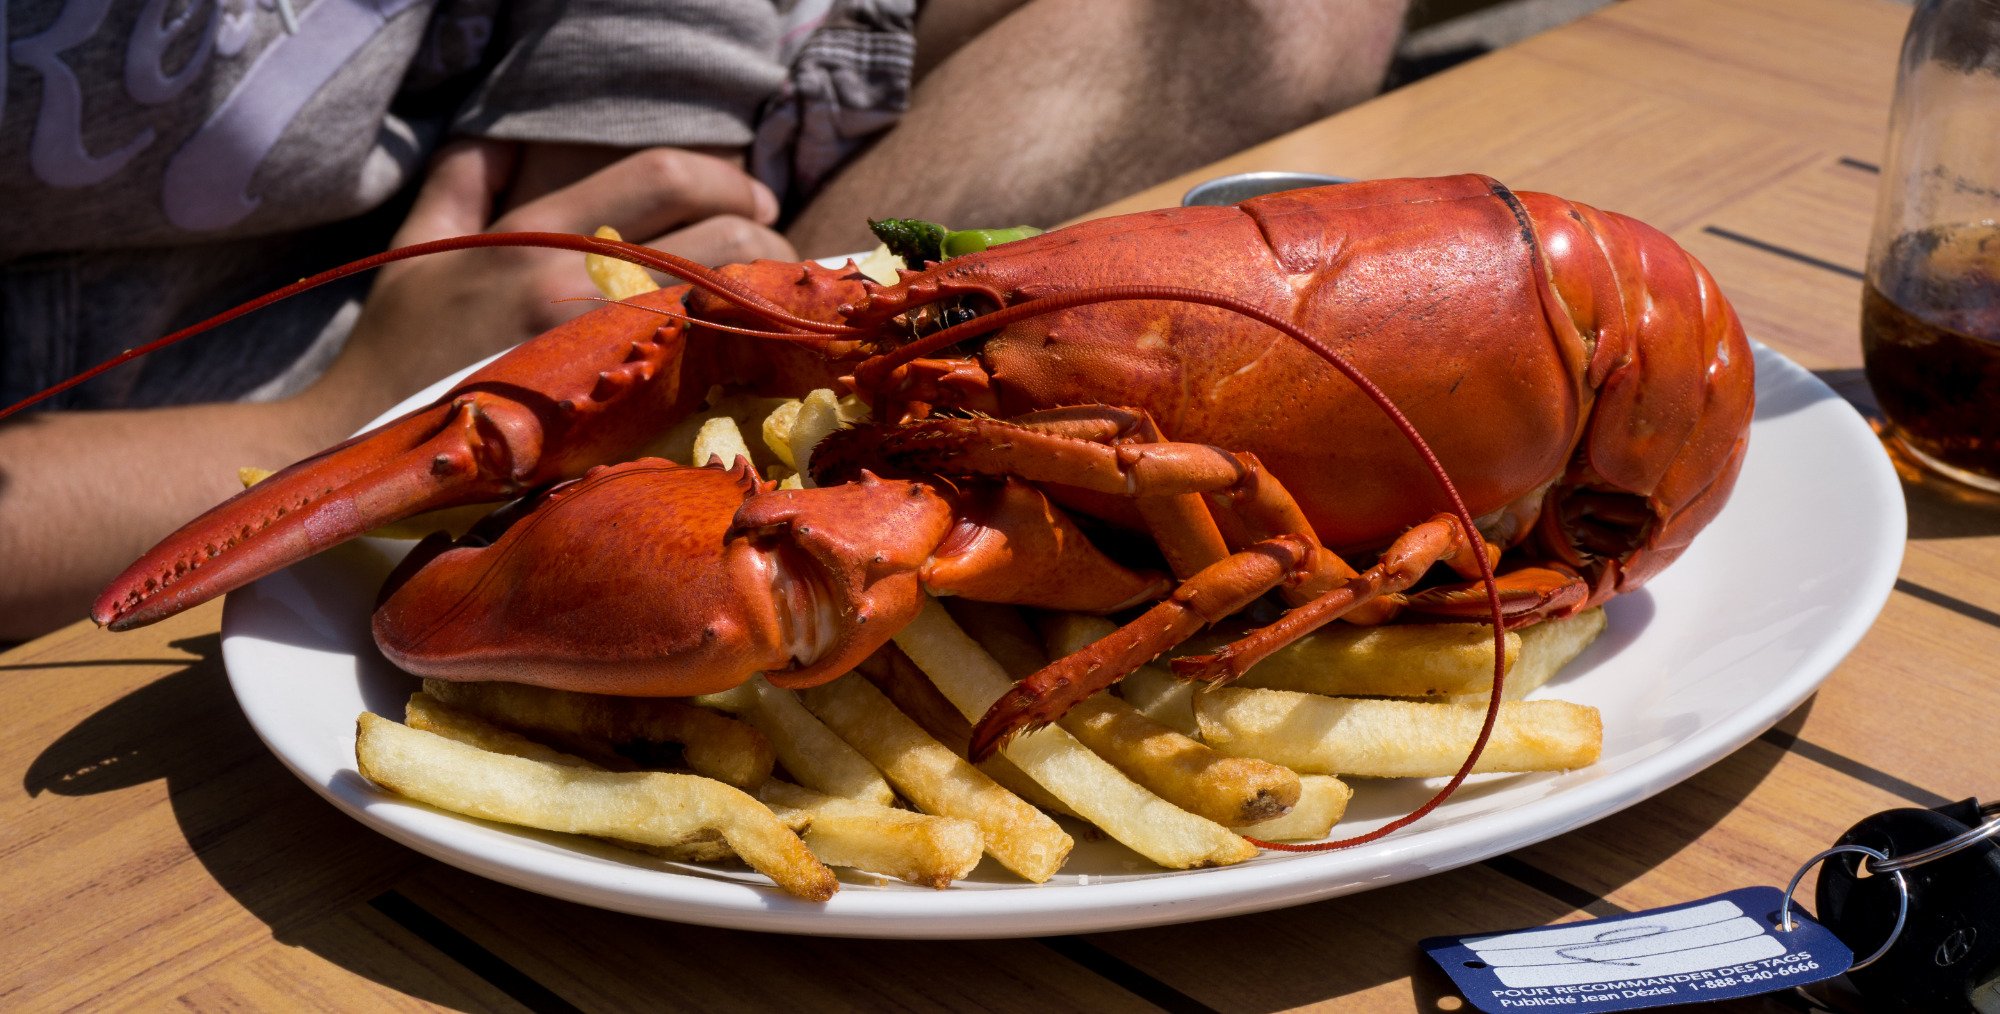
1674, 382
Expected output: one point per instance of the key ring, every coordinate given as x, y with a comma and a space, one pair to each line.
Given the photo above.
1990, 828
1902, 893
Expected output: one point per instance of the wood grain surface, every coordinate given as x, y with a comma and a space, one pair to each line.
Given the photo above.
156, 855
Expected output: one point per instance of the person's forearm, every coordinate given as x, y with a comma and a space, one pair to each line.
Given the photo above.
82, 494
1065, 105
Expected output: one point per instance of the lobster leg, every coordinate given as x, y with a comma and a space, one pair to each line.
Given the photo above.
1412, 554
1218, 591
1118, 452
1527, 595
1103, 450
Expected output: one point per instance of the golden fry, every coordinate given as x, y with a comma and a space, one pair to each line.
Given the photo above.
919, 848
594, 725
914, 695
1545, 649
777, 430
719, 440
810, 752
1395, 739
615, 278
1087, 783
647, 807
938, 781
1322, 802
1394, 661
1227, 790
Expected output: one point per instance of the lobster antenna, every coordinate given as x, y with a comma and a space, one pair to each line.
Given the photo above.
695, 274
881, 365
783, 336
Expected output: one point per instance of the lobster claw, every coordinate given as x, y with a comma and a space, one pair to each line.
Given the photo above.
654, 579
589, 391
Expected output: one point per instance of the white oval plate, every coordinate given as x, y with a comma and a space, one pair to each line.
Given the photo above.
1729, 640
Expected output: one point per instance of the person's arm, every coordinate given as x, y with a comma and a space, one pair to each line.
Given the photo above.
84, 493
1036, 113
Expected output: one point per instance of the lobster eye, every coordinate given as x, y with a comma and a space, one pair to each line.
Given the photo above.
927, 320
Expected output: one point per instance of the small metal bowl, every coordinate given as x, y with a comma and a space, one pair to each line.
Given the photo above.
1243, 186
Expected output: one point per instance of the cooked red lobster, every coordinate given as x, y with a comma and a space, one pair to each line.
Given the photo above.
1200, 376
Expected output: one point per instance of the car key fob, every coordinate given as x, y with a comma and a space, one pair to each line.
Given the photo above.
1947, 955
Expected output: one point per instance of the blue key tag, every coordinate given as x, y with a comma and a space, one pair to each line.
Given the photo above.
1719, 948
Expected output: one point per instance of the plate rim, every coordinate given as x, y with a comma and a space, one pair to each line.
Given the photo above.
1172, 896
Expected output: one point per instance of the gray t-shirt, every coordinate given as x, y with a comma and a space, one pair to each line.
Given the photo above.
161, 160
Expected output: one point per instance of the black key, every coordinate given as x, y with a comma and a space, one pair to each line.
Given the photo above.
1950, 943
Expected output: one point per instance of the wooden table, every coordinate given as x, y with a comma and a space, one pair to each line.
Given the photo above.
156, 854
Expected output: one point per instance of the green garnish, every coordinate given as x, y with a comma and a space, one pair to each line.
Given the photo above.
919, 242
967, 241
916, 241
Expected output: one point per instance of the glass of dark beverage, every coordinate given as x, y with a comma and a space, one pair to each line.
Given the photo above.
1930, 309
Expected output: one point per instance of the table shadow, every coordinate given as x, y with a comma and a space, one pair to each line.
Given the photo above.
280, 851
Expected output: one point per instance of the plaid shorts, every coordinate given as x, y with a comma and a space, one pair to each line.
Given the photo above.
850, 76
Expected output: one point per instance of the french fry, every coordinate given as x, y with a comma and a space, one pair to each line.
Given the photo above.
647, 807
749, 412
919, 848
431, 715
1395, 739
810, 752
1227, 790
819, 415
1322, 802
914, 695
777, 431
1188, 774
1545, 649
615, 278
1394, 661
1162, 697
426, 713
719, 439
1090, 785
592, 725
881, 265
938, 781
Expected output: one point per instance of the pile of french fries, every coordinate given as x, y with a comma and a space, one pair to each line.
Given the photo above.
868, 772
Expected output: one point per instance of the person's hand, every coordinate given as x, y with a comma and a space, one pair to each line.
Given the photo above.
427, 317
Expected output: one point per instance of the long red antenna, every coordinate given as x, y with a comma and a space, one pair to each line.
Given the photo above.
696, 274
881, 365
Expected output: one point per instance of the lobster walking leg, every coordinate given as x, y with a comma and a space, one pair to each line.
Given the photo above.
1438, 540
1075, 447
1219, 591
